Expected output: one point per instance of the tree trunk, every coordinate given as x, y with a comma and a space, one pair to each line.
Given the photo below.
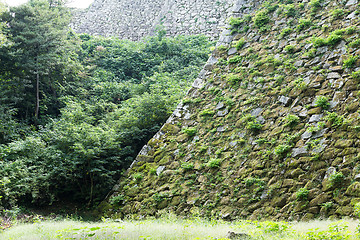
37, 96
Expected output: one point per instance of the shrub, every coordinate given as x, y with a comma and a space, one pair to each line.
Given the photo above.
356, 75
138, 177
282, 149
322, 101
335, 119
240, 43
302, 194
291, 120
236, 22
336, 179
253, 181
334, 38
116, 199
355, 43
303, 24
290, 49
235, 59
190, 132
350, 62
152, 171
207, 112
261, 18
337, 13
233, 79
285, 32
290, 10
254, 125
187, 166
214, 163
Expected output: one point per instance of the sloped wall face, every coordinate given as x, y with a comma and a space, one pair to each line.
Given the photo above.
270, 129
139, 18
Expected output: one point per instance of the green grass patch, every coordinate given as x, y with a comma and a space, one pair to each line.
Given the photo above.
171, 227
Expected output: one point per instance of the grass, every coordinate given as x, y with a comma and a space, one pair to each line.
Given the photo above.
170, 227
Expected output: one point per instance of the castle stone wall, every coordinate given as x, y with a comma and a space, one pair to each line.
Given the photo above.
139, 18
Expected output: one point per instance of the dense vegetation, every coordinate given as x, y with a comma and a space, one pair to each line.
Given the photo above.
75, 110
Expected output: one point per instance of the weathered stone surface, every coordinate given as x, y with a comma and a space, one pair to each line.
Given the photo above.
296, 152
139, 18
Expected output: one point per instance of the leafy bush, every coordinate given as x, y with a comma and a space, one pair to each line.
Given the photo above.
239, 44
206, 112
336, 179
303, 24
282, 149
335, 119
355, 43
285, 32
350, 62
233, 79
187, 166
322, 101
291, 120
290, 49
190, 132
261, 18
214, 163
302, 194
337, 13
254, 125
138, 177
356, 75
290, 10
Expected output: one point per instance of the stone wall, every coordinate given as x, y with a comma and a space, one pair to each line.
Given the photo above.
270, 129
139, 18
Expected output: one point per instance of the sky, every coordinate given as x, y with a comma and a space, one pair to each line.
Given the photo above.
72, 3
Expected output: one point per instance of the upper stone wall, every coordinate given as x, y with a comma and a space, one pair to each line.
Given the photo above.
139, 18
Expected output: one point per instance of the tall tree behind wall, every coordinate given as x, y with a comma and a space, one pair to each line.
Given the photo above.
38, 30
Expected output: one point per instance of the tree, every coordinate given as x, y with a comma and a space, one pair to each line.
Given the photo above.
38, 31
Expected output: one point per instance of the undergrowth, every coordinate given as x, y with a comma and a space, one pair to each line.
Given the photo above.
172, 227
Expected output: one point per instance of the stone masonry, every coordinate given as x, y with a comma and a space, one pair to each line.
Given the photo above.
139, 18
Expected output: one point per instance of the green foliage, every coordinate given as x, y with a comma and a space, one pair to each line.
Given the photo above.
261, 18
251, 181
336, 231
334, 38
355, 43
315, 5
336, 179
282, 149
285, 32
350, 61
239, 44
303, 24
322, 101
291, 120
289, 10
302, 194
235, 59
356, 75
233, 79
187, 166
214, 163
337, 13
138, 177
115, 96
207, 112
335, 119
254, 125
116, 200
190, 132
290, 49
